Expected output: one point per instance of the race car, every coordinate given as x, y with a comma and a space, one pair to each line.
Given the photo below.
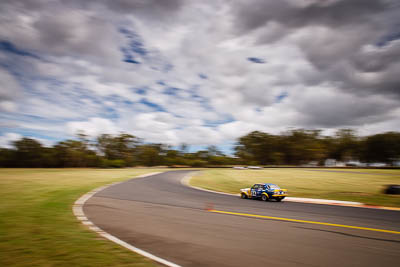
264, 191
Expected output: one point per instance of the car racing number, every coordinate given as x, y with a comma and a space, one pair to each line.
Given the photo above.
254, 190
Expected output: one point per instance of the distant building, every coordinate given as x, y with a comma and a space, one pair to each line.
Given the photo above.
355, 163
239, 168
330, 163
377, 164
254, 167
334, 163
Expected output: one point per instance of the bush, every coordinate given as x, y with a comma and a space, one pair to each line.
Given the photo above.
198, 163
116, 163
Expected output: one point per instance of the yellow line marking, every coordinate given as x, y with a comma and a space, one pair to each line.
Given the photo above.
303, 221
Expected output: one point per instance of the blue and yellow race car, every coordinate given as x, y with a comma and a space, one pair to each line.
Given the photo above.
264, 191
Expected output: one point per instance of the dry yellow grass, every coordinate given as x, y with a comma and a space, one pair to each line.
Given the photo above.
363, 185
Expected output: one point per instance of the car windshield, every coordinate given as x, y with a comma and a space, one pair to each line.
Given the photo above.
274, 186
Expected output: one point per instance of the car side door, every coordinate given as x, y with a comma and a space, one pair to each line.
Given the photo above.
254, 190
267, 190
260, 190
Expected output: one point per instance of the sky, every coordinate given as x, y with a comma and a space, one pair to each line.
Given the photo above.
197, 72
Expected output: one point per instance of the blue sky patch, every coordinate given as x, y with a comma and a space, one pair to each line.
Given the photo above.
203, 76
138, 47
256, 60
110, 113
140, 91
215, 123
134, 48
135, 43
128, 56
281, 96
171, 91
388, 38
151, 104
11, 48
36, 134
130, 60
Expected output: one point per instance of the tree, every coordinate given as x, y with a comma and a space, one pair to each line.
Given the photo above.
258, 147
293, 147
120, 147
150, 155
345, 146
7, 158
302, 146
28, 153
382, 148
73, 153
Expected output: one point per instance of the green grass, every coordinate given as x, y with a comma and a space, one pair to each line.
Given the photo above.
38, 228
354, 186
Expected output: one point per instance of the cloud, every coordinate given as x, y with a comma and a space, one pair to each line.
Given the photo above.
9, 91
297, 14
7, 139
92, 127
155, 9
199, 72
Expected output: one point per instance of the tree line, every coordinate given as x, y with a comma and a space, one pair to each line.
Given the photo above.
106, 151
294, 147
297, 147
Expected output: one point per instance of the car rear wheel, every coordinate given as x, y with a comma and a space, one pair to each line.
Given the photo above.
243, 195
264, 198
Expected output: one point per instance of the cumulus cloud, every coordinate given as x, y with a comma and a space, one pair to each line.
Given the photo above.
92, 127
7, 139
199, 72
9, 91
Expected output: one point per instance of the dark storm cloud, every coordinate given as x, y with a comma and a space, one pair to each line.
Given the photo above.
256, 13
334, 36
349, 24
376, 60
157, 7
150, 6
341, 112
24, 4
153, 9
374, 71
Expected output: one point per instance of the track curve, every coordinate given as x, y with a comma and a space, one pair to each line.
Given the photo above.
164, 217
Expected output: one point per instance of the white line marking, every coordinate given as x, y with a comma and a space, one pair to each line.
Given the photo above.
80, 215
185, 181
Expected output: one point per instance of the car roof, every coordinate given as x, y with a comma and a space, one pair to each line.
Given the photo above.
266, 184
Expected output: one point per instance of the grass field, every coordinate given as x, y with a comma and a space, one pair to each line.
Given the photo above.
38, 228
362, 185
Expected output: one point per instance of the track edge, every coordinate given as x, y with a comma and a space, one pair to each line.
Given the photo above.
77, 209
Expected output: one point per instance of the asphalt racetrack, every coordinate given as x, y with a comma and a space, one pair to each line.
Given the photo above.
160, 215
